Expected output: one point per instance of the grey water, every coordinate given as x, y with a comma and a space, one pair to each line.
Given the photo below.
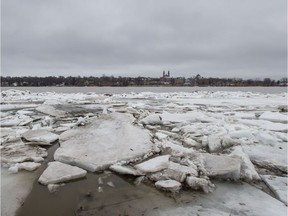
156, 89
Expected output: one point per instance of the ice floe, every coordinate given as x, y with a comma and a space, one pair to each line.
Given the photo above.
103, 142
248, 171
278, 185
169, 185
58, 172
274, 117
125, 170
29, 166
18, 153
40, 137
154, 164
223, 165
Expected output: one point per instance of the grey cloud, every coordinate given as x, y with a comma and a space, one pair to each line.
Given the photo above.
223, 38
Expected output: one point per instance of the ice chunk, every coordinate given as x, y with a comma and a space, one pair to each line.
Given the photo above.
266, 156
160, 136
190, 142
168, 185
50, 110
174, 171
266, 138
177, 117
29, 166
154, 164
274, 117
241, 134
278, 185
19, 153
177, 150
175, 130
13, 169
41, 136
100, 181
187, 117
69, 134
126, 170
227, 141
248, 171
100, 189
57, 172
200, 183
10, 121
53, 187
105, 141
267, 125
152, 120
214, 143
228, 199
111, 184
222, 166
37, 159
282, 136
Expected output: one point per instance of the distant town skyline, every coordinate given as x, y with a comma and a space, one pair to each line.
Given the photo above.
131, 38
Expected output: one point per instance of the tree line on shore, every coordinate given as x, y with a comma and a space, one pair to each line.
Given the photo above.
137, 81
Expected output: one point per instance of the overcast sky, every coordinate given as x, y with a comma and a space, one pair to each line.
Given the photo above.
216, 38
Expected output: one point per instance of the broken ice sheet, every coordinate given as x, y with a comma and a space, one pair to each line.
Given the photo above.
41, 136
154, 164
105, 141
278, 185
18, 153
222, 166
126, 170
168, 185
28, 166
266, 156
57, 172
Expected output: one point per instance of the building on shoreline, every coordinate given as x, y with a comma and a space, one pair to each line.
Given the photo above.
165, 80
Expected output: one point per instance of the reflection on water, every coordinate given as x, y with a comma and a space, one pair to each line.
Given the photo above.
83, 197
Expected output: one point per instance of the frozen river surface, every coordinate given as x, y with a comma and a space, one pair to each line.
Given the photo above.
137, 151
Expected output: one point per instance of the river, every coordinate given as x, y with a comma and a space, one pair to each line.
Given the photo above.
137, 89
